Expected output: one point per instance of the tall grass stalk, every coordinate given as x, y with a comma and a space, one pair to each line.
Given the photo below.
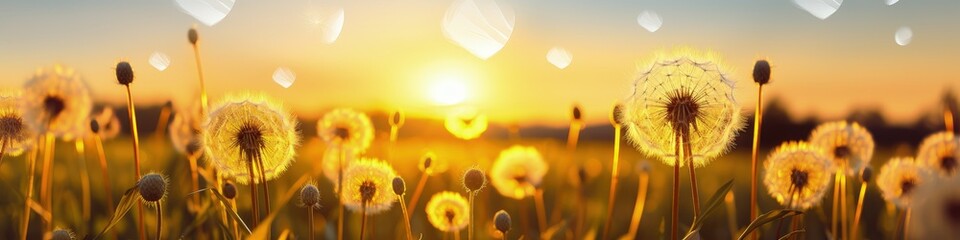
417, 192
84, 180
131, 110
107, 190
32, 165
614, 178
641, 200
856, 216
754, 181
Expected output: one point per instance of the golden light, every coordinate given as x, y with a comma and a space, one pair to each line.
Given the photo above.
448, 90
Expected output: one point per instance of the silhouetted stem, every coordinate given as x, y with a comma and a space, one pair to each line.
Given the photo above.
310, 221
266, 192
416, 193
675, 207
159, 220
834, 212
131, 110
471, 224
203, 88
406, 218
757, 122
844, 224
688, 155
856, 215
363, 219
253, 195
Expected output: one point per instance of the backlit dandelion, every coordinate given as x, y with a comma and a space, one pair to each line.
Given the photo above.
368, 182
108, 122
56, 101
797, 175
940, 152
936, 213
247, 130
849, 145
466, 123
15, 137
518, 171
347, 129
898, 179
448, 211
683, 99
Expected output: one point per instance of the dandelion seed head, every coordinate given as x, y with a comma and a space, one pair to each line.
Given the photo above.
249, 127
518, 171
56, 101
399, 186
615, 115
366, 182
936, 212
502, 221
761, 72
939, 152
466, 123
229, 190
683, 93
185, 128
899, 178
797, 175
124, 73
474, 180
14, 133
448, 211
849, 145
346, 128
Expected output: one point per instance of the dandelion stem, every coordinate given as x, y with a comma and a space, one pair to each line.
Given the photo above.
107, 190
310, 222
613, 180
340, 192
416, 194
524, 218
363, 219
3, 150
84, 181
266, 190
472, 194
731, 203
688, 155
948, 120
843, 208
834, 219
46, 185
675, 207
638, 206
906, 223
131, 110
194, 181
253, 194
541, 211
856, 216
757, 121
406, 218
32, 163
573, 136
203, 89
162, 122
159, 220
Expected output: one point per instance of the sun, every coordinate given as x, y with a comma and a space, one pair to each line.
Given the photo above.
448, 90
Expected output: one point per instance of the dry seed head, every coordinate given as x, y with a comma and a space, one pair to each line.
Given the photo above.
62, 234
152, 187
94, 126
399, 186
229, 190
577, 114
124, 73
192, 36
761, 72
310, 195
615, 114
502, 221
474, 180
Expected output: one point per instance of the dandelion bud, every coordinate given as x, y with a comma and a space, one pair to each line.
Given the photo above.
124, 73
397, 118
62, 234
615, 114
399, 186
192, 36
310, 195
193, 147
230, 191
427, 160
474, 180
761, 72
94, 126
866, 174
502, 221
577, 115
152, 187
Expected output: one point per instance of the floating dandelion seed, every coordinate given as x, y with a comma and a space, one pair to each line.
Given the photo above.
466, 123
518, 171
56, 101
448, 211
936, 213
898, 179
940, 152
849, 145
346, 128
797, 175
686, 90
109, 124
14, 134
250, 127
62, 234
368, 182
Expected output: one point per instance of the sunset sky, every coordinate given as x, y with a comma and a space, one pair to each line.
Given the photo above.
390, 54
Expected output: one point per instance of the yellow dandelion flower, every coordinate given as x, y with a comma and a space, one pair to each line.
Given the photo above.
109, 124
466, 123
936, 213
331, 164
14, 133
448, 211
56, 101
686, 93
249, 127
518, 171
940, 151
368, 182
185, 130
431, 165
346, 128
849, 145
797, 175
898, 180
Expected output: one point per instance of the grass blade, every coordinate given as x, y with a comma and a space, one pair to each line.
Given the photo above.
130, 198
768, 218
222, 199
711, 206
